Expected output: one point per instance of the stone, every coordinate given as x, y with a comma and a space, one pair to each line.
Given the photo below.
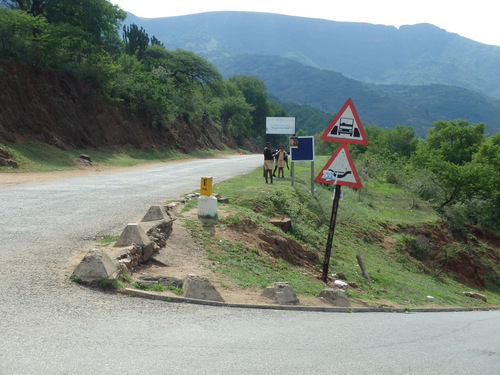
476, 295
86, 159
282, 293
96, 265
147, 251
334, 296
284, 223
8, 162
199, 287
133, 234
156, 213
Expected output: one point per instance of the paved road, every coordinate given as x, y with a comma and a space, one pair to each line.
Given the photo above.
49, 325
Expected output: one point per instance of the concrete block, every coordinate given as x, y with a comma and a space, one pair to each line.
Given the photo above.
199, 287
335, 296
96, 265
156, 213
282, 293
133, 233
207, 206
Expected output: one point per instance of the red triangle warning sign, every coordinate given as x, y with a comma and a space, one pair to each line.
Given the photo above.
346, 126
340, 169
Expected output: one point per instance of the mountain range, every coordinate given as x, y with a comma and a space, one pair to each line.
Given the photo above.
414, 75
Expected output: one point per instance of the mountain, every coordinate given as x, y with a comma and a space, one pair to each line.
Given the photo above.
383, 105
413, 75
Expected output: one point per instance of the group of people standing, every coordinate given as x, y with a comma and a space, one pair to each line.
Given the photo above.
276, 159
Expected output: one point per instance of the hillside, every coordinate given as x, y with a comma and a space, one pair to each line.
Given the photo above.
414, 75
59, 109
411, 55
383, 105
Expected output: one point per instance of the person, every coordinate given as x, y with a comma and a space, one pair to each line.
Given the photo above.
275, 156
282, 159
268, 162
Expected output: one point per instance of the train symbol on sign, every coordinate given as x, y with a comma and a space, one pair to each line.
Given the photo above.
346, 127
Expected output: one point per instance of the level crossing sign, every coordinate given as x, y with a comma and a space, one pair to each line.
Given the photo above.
346, 126
340, 169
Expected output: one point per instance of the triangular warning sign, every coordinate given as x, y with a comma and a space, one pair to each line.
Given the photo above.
346, 126
340, 169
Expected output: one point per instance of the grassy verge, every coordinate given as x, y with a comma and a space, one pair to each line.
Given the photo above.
33, 156
370, 223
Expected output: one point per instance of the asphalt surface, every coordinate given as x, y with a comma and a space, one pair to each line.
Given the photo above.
50, 325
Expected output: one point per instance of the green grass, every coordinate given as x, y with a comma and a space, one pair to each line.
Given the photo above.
158, 287
34, 156
107, 240
364, 218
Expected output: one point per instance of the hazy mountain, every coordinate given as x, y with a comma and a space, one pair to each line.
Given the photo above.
384, 105
424, 70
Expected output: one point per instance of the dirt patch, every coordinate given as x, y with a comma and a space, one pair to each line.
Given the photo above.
431, 246
183, 256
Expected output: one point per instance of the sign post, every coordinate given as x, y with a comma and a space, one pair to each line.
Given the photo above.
333, 218
346, 127
302, 151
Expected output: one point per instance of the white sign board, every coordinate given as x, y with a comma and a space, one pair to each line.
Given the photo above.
280, 125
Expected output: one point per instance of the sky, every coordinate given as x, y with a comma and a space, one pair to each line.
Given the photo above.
477, 20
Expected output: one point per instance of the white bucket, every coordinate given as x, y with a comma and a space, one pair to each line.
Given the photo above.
207, 206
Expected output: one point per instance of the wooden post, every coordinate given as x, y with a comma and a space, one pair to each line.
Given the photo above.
333, 218
363, 268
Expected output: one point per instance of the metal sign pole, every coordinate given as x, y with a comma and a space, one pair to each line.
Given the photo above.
312, 177
333, 218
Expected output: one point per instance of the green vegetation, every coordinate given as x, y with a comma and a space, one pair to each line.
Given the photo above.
162, 85
107, 240
413, 187
397, 234
158, 287
33, 156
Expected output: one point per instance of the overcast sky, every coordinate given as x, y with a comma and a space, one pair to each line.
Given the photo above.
477, 19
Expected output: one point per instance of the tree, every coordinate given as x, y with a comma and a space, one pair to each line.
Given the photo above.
136, 40
255, 92
457, 141
448, 152
34, 7
97, 20
234, 112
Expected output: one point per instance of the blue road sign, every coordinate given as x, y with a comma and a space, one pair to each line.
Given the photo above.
304, 151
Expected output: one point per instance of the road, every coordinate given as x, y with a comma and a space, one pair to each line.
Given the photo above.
50, 325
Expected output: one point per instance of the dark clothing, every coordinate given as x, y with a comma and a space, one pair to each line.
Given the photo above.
268, 155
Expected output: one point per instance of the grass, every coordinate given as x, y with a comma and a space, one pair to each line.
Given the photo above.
107, 240
364, 218
34, 156
158, 287
363, 222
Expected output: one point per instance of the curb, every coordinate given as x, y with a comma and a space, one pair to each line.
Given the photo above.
153, 296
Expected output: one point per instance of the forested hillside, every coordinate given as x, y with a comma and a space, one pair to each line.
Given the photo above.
383, 105
115, 77
411, 55
428, 74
